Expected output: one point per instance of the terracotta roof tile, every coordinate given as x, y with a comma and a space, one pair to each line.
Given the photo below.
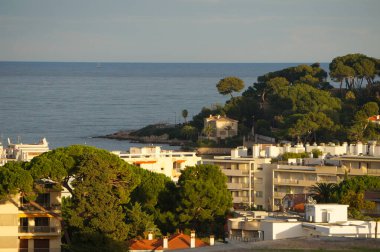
177, 241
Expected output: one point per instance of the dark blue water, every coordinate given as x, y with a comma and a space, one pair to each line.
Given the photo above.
69, 103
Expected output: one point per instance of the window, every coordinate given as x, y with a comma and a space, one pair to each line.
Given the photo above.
23, 245
41, 245
41, 221
43, 199
259, 194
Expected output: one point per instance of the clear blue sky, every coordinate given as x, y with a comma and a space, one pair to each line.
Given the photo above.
188, 30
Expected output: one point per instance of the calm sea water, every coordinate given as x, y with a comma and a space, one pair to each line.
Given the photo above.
70, 103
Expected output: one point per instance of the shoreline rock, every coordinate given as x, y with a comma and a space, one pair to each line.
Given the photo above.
152, 139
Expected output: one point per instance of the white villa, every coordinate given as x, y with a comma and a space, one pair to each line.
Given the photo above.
153, 158
22, 152
221, 127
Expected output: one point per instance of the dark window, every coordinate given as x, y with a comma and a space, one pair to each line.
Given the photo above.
24, 245
24, 222
41, 221
41, 245
43, 199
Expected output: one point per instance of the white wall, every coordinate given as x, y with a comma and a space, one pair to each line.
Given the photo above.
274, 230
326, 212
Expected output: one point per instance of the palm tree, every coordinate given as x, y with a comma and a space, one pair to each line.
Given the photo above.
185, 113
208, 130
324, 192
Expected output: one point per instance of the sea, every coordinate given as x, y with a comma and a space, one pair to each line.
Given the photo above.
73, 103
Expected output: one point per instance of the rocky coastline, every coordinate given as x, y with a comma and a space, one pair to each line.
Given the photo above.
151, 139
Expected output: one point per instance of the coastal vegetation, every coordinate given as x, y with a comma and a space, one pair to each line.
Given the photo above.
112, 202
296, 104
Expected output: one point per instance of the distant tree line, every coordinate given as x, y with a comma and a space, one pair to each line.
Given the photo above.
297, 104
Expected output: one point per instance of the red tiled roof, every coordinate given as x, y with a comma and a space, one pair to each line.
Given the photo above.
374, 118
177, 241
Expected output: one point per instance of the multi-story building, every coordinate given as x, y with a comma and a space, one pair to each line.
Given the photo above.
167, 162
283, 179
221, 127
245, 177
255, 181
32, 226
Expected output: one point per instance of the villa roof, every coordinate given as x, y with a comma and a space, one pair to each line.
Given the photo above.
220, 118
374, 118
177, 241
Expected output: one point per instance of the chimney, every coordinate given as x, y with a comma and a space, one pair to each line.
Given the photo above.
150, 236
212, 240
192, 239
165, 243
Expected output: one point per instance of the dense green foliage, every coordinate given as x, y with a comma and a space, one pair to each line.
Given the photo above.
113, 201
203, 197
297, 104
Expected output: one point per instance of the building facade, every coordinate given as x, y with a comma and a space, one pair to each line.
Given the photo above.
245, 177
25, 226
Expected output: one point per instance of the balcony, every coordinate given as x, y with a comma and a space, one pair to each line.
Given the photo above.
30, 207
240, 200
353, 171
375, 172
230, 173
234, 186
46, 230
286, 181
279, 194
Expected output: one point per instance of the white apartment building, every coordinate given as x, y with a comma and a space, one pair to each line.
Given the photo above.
153, 158
255, 181
22, 152
245, 177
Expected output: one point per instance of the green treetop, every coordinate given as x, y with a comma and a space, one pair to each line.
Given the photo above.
230, 84
203, 195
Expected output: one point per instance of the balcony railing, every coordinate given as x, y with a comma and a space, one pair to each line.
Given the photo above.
37, 229
30, 207
286, 181
234, 186
373, 171
279, 194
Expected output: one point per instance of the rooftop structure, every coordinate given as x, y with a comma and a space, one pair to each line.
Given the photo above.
153, 158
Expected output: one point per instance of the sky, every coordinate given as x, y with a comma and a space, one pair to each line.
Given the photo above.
188, 30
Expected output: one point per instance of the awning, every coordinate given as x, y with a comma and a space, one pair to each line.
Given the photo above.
180, 161
33, 215
145, 162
